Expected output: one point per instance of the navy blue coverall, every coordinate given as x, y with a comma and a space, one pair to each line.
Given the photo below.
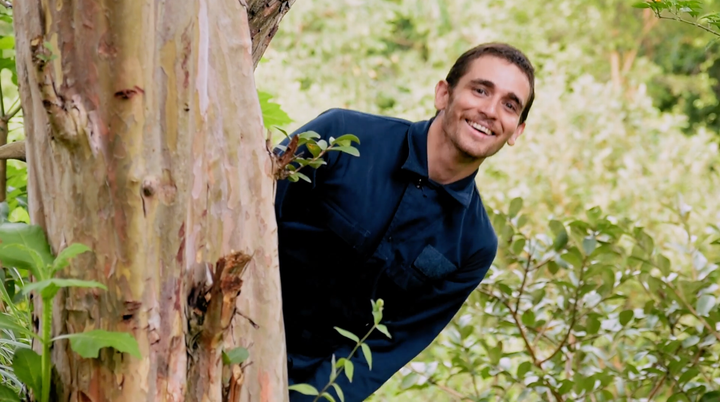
373, 227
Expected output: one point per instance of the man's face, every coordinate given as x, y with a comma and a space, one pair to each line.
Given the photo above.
483, 111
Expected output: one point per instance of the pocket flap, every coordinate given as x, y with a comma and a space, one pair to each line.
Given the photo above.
433, 264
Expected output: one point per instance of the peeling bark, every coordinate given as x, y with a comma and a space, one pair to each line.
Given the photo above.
145, 142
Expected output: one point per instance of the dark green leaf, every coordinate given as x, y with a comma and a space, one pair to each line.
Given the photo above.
566, 386
368, 355
314, 149
677, 397
495, 354
305, 389
691, 373
518, 246
8, 395
523, 368
384, 330
553, 267
528, 318
347, 334
349, 369
592, 325
626, 316
235, 356
515, 206
713, 396
88, 344
28, 368
63, 259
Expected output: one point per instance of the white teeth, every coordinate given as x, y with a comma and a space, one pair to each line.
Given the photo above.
480, 128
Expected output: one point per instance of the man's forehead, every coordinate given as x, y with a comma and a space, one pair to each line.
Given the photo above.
504, 75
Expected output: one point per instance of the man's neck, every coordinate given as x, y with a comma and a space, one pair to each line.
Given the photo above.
446, 164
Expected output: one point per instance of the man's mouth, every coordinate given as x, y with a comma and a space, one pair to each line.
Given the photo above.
479, 127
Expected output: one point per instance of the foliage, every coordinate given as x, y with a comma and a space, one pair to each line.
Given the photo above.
708, 22
345, 364
24, 247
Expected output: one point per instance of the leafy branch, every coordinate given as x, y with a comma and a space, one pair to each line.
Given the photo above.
676, 8
289, 164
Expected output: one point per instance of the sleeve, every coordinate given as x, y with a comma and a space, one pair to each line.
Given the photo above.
410, 336
328, 124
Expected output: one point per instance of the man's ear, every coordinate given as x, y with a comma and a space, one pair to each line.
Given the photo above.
518, 132
442, 95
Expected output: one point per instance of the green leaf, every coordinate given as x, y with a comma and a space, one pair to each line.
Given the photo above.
641, 5
8, 395
523, 369
691, 373
349, 369
272, 113
328, 397
308, 135
314, 149
626, 316
384, 330
88, 344
49, 287
690, 341
7, 42
495, 354
515, 206
528, 318
704, 304
9, 322
679, 396
566, 386
298, 175
27, 365
305, 389
348, 150
349, 138
30, 237
592, 325
663, 264
713, 396
347, 334
368, 355
553, 267
235, 356
588, 245
339, 392
409, 380
73, 250
561, 236
573, 257
518, 246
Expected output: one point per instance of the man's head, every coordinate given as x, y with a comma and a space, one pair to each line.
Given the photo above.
485, 99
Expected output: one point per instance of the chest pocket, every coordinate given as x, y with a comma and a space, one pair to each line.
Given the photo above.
429, 266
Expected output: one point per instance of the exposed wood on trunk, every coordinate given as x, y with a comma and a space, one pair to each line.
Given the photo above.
265, 16
145, 142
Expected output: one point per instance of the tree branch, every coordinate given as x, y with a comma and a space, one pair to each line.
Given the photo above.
680, 19
13, 150
6, 4
694, 312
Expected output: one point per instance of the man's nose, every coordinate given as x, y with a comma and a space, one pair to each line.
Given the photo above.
489, 108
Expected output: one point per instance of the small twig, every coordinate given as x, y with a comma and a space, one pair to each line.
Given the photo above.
13, 111
524, 280
694, 312
6, 4
680, 19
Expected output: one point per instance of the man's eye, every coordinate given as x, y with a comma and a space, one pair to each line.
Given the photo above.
510, 106
481, 91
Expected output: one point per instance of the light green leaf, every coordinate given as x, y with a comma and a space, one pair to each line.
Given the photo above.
515, 206
30, 236
235, 356
9, 322
691, 373
384, 330
347, 334
298, 175
308, 135
705, 304
28, 368
690, 341
368, 355
272, 113
49, 287
641, 5
349, 369
346, 140
561, 236
589, 244
63, 259
626, 316
305, 389
8, 395
328, 397
348, 150
678, 397
523, 369
409, 380
528, 318
339, 392
88, 344
592, 325
7, 42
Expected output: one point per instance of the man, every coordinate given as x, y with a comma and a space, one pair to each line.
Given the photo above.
403, 222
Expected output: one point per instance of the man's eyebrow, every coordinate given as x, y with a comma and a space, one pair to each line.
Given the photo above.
491, 85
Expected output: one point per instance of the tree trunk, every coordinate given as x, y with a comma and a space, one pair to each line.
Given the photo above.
145, 142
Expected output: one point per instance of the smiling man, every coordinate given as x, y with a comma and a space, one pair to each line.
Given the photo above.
403, 223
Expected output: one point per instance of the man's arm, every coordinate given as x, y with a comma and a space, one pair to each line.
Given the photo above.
410, 336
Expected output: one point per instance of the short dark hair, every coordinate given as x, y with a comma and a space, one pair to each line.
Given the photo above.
503, 51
